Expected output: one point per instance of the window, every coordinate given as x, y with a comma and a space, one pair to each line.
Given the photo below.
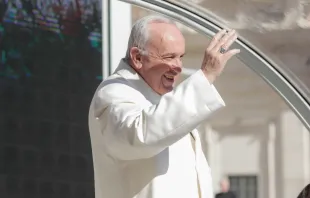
244, 186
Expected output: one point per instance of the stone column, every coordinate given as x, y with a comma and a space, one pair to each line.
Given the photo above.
292, 158
271, 160
306, 152
209, 138
267, 182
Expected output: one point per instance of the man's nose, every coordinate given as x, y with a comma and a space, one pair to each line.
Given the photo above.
177, 69
177, 65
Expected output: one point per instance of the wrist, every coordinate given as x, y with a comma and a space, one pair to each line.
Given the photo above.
210, 77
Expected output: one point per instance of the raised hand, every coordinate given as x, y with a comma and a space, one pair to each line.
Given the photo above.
217, 54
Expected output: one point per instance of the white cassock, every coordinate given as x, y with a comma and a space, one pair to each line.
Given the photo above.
141, 141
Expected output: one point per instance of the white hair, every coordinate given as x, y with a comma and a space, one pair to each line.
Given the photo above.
139, 33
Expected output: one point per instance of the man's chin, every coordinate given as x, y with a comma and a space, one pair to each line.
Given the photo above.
168, 89
164, 91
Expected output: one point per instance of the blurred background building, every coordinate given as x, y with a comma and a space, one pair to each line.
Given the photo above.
54, 53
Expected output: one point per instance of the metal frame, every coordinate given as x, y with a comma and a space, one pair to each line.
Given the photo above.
251, 56
106, 38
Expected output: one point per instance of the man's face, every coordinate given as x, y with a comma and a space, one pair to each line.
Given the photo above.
225, 185
161, 65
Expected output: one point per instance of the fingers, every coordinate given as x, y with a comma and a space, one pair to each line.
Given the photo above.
230, 42
216, 39
231, 53
215, 59
226, 41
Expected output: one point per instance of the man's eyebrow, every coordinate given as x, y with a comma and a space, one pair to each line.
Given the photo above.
169, 54
173, 54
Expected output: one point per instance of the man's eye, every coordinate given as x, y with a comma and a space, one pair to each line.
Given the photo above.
168, 58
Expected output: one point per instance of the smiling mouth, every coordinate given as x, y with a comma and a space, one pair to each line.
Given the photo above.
169, 77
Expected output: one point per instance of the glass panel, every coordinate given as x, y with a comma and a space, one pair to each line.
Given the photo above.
50, 66
256, 134
278, 28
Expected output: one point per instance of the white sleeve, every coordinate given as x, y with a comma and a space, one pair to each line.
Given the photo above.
131, 132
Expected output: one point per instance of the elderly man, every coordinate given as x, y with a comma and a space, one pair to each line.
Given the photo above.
143, 134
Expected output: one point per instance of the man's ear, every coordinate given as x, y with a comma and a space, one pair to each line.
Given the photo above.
136, 58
